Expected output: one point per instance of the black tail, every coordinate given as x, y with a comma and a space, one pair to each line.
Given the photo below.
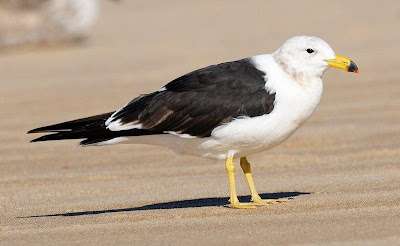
92, 128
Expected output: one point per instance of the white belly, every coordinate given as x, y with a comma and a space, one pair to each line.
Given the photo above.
246, 136
253, 135
294, 104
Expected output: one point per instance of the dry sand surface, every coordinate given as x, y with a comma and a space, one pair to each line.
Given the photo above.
342, 168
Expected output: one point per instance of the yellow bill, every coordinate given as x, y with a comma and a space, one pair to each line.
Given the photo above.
343, 63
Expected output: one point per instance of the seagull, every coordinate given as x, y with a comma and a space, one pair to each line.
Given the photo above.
225, 111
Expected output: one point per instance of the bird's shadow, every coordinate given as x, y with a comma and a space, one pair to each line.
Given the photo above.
193, 203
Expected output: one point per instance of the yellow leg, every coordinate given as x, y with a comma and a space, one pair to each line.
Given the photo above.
230, 168
254, 195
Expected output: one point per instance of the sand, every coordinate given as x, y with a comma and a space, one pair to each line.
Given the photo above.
342, 168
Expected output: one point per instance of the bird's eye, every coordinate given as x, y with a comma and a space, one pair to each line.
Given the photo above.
310, 51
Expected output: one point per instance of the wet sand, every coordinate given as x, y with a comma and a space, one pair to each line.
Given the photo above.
342, 168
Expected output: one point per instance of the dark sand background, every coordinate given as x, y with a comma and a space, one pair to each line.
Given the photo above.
342, 168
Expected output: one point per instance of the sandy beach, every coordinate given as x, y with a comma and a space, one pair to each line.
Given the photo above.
341, 169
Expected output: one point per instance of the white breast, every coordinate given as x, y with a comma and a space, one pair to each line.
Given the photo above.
294, 103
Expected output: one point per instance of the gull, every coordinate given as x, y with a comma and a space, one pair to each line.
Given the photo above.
225, 111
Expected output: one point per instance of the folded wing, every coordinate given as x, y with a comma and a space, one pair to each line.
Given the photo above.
198, 102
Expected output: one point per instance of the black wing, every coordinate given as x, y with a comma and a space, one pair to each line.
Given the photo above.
202, 100
92, 128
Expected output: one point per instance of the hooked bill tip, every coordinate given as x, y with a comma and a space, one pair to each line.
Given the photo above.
353, 67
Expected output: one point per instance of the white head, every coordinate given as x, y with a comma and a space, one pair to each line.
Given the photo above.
307, 56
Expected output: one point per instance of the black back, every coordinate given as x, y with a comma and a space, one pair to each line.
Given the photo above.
193, 104
202, 100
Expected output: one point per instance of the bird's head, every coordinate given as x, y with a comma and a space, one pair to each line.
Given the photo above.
307, 56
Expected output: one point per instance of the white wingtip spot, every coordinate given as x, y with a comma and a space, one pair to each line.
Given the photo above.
179, 135
109, 120
162, 89
113, 141
116, 126
112, 117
